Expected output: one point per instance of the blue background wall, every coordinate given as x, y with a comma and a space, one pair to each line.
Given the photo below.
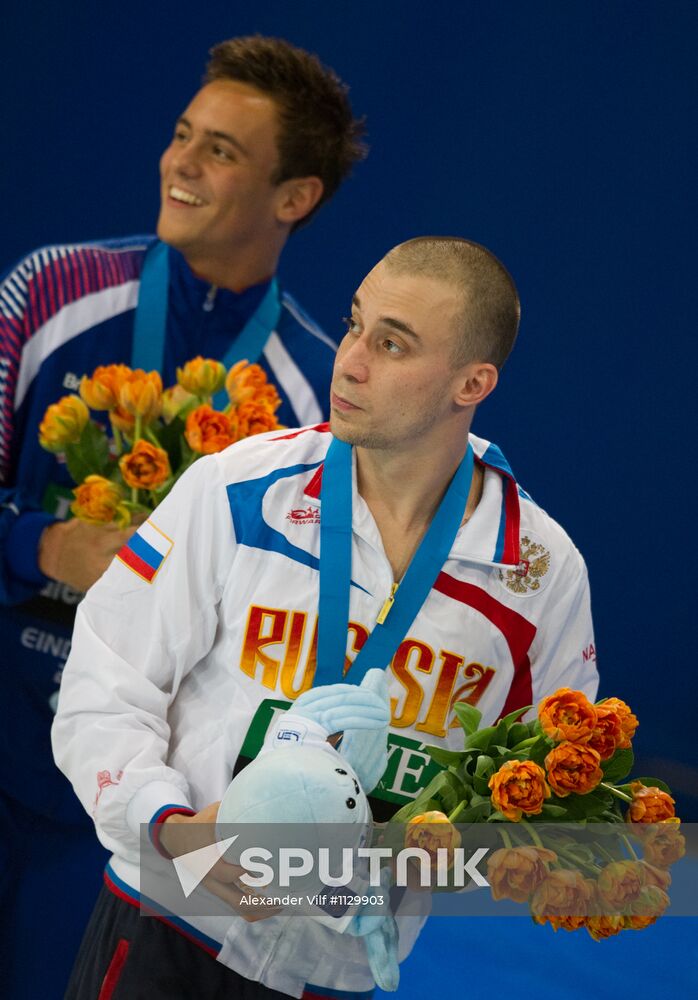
562, 136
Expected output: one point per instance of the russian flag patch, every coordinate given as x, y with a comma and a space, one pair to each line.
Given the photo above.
146, 551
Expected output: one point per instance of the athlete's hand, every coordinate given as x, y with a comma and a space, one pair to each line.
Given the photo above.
181, 834
77, 553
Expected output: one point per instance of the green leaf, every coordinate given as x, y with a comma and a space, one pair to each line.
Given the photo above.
456, 783
480, 785
411, 809
501, 755
90, 456
472, 814
478, 799
188, 454
648, 783
438, 782
554, 812
470, 758
461, 772
609, 816
446, 757
468, 716
581, 807
497, 817
539, 750
443, 793
517, 734
172, 440
403, 814
481, 739
581, 853
501, 732
135, 508
618, 766
513, 717
452, 792
484, 769
151, 433
161, 491
192, 405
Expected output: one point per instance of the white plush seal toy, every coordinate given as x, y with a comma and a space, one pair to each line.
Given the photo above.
301, 776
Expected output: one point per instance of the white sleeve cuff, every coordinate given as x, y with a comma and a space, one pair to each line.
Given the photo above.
150, 799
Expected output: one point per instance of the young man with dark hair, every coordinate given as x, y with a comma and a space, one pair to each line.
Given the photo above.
265, 141
317, 133
419, 555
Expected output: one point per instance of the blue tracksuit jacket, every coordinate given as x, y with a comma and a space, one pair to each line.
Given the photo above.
63, 311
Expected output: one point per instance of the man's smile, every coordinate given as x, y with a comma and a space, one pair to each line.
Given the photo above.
181, 195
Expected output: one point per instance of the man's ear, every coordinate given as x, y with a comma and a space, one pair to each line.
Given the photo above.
475, 382
297, 197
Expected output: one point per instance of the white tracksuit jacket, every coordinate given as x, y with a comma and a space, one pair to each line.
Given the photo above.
212, 608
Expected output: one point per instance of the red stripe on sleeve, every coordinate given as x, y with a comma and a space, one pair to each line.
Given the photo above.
155, 829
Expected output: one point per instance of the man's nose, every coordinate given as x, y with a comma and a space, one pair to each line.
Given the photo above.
353, 359
186, 161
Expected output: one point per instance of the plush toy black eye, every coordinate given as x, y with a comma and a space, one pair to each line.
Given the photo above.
338, 770
356, 786
351, 803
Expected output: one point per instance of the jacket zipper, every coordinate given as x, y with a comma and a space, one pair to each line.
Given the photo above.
389, 601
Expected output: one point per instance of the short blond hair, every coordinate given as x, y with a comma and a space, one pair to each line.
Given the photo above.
489, 320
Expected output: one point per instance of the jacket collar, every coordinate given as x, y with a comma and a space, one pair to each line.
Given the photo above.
200, 294
491, 536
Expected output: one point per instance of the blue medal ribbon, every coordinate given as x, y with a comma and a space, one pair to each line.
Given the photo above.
250, 342
150, 325
335, 568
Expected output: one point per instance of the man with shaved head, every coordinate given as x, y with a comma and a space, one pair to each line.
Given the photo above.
391, 537
455, 285
488, 319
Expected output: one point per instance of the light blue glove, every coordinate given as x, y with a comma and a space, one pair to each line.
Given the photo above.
362, 713
338, 707
380, 936
367, 752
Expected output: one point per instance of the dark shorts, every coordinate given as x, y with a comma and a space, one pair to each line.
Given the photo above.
124, 956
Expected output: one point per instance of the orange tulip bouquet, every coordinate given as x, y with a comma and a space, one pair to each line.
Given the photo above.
540, 782
155, 435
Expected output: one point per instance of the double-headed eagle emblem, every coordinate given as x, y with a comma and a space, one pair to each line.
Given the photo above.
535, 563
